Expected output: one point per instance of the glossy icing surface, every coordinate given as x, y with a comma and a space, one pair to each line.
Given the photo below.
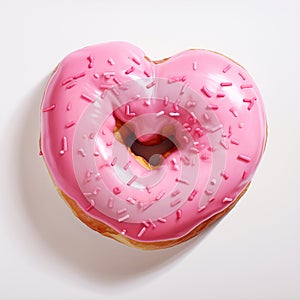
206, 104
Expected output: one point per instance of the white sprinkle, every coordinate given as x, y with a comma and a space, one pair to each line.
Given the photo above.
201, 208
122, 219
195, 66
82, 152
110, 202
131, 180
174, 114
160, 195
122, 210
142, 231
227, 199
160, 113
162, 220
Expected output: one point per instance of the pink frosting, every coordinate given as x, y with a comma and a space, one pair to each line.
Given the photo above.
217, 122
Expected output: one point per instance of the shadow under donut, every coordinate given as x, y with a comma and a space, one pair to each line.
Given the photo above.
60, 234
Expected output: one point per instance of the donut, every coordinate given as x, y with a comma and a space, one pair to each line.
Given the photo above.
150, 153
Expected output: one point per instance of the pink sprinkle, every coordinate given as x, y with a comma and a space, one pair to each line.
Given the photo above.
227, 199
195, 66
96, 153
131, 180
130, 70
192, 195
70, 124
136, 60
244, 175
69, 107
190, 104
226, 84
242, 76
147, 73
166, 101
235, 142
142, 231
67, 80
250, 101
127, 165
159, 196
114, 161
162, 220
91, 61
131, 200
92, 204
206, 116
204, 156
175, 193
116, 80
96, 75
241, 125
64, 145
49, 108
221, 95
122, 210
246, 86
244, 158
234, 112
225, 175
111, 61
123, 218
184, 87
211, 199
201, 208
146, 206
185, 138
107, 75
152, 223
108, 144
208, 192
79, 75
182, 181
160, 113
105, 86
150, 85
70, 85
216, 128
224, 144
116, 190
227, 68
111, 202
87, 98
179, 214
123, 232
206, 91
195, 150
213, 106
148, 190
82, 152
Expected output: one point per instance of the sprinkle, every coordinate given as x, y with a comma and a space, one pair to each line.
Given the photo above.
130, 70
234, 112
235, 142
195, 150
70, 85
131, 200
132, 180
70, 124
244, 175
91, 61
175, 105
148, 189
96, 75
186, 139
186, 85
136, 60
179, 214
49, 108
116, 190
127, 165
225, 175
69, 106
227, 199
147, 73
211, 199
142, 231
108, 144
199, 131
208, 192
224, 144
115, 91
221, 95
185, 160
98, 176
174, 114
105, 86
241, 125
195, 66
190, 104
147, 102
244, 158
201, 208
206, 116
175, 193
162, 220
92, 204
250, 101
87, 98
116, 80
122, 219
114, 161
110, 202
206, 91
246, 86
79, 75
82, 152
227, 68
111, 61
229, 131
122, 210
67, 80
127, 111
151, 222
107, 75
173, 79
166, 101
216, 128
204, 156
159, 196
150, 85
213, 181
160, 113
226, 84
182, 181
242, 76
148, 205
212, 106
123, 232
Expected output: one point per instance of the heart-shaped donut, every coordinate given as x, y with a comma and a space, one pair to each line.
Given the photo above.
151, 152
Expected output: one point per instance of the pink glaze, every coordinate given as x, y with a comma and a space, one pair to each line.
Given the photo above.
218, 125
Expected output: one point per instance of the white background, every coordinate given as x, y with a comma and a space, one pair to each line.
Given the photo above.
46, 253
